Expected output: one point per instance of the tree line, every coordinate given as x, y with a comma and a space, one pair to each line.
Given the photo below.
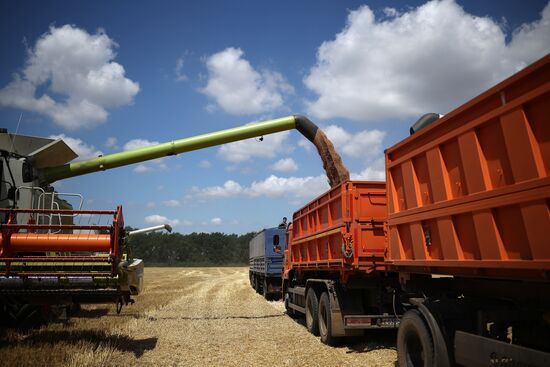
195, 249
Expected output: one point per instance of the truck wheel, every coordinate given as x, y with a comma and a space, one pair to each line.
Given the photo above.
258, 284
289, 311
312, 312
414, 343
264, 289
325, 321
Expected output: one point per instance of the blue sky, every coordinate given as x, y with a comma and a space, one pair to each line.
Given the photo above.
108, 76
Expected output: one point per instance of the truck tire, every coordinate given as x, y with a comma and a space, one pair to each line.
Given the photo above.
289, 311
265, 289
312, 312
414, 342
258, 284
325, 321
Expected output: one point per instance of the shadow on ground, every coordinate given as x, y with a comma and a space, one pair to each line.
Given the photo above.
371, 340
150, 318
96, 338
93, 313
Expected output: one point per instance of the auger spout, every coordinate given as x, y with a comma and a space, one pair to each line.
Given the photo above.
336, 171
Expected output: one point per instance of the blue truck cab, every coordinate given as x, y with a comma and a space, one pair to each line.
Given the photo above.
266, 250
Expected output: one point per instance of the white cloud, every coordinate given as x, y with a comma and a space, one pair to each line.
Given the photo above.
79, 78
285, 165
178, 70
205, 164
366, 143
138, 143
171, 203
306, 144
375, 171
111, 142
159, 219
229, 188
303, 187
239, 89
83, 150
216, 221
427, 59
146, 166
272, 186
244, 150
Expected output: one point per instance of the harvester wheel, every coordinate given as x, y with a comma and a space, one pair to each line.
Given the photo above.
312, 311
325, 321
414, 343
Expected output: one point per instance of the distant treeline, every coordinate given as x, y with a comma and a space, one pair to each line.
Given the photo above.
195, 249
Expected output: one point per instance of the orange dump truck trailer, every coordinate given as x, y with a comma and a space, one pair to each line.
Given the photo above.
456, 253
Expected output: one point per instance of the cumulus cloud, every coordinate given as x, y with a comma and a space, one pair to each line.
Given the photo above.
375, 171
159, 219
366, 143
70, 76
148, 166
239, 89
273, 186
138, 143
403, 65
285, 165
244, 150
229, 188
83, 150
216, 221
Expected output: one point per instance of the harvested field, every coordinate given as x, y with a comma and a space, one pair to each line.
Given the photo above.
189, 317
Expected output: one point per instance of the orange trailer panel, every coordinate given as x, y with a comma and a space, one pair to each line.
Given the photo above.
341, 229
470, 194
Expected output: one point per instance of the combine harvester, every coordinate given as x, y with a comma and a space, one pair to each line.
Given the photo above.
53, 256
453, 249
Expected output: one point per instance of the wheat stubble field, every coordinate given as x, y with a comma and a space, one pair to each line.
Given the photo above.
189, 317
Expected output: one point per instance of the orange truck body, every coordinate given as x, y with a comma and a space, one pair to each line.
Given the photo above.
456, 253
470, 194
341, 230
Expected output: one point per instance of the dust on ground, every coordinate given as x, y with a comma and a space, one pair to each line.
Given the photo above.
189, 317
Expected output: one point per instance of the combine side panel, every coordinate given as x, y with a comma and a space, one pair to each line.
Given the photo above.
44, 261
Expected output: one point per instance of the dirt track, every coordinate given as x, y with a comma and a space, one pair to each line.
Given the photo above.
190, 317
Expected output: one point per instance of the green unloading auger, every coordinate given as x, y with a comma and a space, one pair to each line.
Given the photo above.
332, 163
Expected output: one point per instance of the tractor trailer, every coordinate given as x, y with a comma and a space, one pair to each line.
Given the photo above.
453, 249
266, 261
